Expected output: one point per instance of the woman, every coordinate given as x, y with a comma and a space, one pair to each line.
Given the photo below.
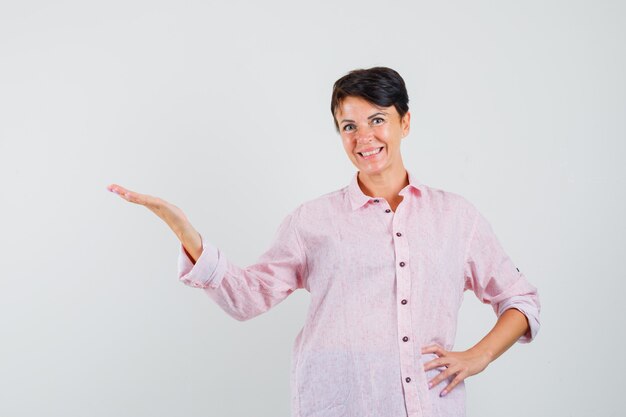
386, 260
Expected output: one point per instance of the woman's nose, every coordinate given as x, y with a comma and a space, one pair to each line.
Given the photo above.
364, 135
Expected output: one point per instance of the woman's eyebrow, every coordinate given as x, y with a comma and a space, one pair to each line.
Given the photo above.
376, 114
369, 118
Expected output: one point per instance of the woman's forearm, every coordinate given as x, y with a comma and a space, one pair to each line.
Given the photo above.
511, 325
191, 241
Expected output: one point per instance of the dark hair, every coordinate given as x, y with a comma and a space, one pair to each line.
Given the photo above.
381, 86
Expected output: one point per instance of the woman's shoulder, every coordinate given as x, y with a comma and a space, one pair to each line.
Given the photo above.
333, 201
320, 207
438, 198
334, 197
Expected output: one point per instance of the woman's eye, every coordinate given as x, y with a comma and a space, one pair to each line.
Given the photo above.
377, 120
348, 128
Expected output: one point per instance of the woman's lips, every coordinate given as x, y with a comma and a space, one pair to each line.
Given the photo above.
381, 149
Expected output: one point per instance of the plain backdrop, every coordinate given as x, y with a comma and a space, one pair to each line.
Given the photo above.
223, 108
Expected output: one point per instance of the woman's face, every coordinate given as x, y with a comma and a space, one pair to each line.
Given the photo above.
371, 135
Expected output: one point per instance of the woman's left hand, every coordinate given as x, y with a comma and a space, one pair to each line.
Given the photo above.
459, 364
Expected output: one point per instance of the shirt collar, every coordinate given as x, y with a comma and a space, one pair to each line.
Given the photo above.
359, 199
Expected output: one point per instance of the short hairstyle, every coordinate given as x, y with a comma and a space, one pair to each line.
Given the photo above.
380, 86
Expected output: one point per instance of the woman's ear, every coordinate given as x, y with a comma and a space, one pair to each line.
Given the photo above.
406, 123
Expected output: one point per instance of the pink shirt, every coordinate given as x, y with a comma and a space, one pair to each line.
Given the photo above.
383, 284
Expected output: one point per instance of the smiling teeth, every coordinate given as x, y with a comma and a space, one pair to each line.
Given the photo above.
372, 152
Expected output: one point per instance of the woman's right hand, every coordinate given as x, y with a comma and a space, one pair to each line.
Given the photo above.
169, 213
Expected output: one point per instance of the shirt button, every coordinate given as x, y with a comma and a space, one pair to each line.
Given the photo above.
405, 339
376, 200
388, 211
404, 301
408, 379
398, 234
402, 264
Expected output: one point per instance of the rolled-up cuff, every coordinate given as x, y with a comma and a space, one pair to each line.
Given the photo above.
529, 309
208, 271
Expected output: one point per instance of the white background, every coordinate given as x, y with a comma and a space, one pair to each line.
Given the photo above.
222, 108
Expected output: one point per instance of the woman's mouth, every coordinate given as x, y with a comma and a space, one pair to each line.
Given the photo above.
371, 154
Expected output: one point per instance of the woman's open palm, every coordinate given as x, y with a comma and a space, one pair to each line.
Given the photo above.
169, 213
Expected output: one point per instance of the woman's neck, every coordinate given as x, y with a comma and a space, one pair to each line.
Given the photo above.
386, 185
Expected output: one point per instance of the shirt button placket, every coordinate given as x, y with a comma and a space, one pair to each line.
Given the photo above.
403, 279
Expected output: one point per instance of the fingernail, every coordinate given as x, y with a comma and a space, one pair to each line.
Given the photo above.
443, 393
430, 385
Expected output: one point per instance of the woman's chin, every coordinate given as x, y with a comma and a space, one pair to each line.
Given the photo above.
369, 170
374, 167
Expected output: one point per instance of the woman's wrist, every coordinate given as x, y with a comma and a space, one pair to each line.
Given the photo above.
191, 241
487, 355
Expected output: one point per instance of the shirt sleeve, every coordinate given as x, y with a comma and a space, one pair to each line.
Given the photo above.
244, 293
492, 276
